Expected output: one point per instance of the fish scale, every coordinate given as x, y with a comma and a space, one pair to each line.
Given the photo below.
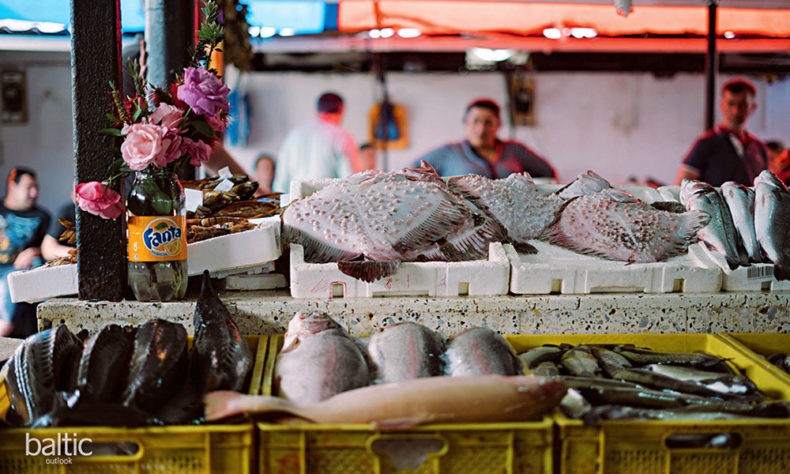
771, 217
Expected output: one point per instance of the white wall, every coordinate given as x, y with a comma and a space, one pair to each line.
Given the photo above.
619, 124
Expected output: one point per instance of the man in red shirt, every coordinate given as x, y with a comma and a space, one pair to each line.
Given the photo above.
728, 152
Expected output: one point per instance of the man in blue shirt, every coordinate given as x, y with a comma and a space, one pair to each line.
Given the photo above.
483, 153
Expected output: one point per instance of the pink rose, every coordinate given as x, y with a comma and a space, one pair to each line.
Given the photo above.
142, 145
99, 200
198, 151
203, 91
168, 116
171, 144
217, 123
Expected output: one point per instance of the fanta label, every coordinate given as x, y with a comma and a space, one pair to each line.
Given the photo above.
157, 238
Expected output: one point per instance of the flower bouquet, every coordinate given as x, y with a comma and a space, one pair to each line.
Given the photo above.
162, 128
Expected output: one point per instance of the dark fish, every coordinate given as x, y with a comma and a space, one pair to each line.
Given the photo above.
96, 413
644, 356
611, 362
614, 224
158, 367
771, 215
641, 397
103, 366
35, 372
405, 351
545, 369
657, 381
481, 351
221, 358
537, 355
724, 384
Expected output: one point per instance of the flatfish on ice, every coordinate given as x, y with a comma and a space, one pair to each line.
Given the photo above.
614, 224
372, 221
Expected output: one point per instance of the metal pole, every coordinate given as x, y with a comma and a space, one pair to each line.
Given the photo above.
711, 66
170, 28
95, 61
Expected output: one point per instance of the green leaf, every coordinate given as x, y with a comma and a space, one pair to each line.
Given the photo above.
111, 131
137, 113
203, 128
113, 118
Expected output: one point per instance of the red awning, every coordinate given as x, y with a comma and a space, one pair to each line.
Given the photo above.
530, 18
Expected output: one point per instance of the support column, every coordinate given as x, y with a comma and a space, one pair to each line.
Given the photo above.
711, 66
95, 61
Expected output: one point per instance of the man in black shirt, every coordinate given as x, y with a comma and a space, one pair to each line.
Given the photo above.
22, 228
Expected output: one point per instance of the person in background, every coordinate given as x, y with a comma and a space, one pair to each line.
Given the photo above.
367, 156
318, 149
482, 152
264, 173
778, 160
51, 247
727, 152
22, 228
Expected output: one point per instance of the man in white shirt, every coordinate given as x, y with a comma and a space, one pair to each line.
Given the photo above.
318, 149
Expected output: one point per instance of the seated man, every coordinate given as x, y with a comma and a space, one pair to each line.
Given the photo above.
482, 152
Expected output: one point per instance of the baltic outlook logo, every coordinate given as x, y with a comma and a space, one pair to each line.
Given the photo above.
60, 449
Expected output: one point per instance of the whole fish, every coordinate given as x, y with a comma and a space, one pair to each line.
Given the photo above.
481, 351
646, 356
771, 217
615, 225
611, 362
721, 383
319, 365
304, 325
719, 234
371, 221
740, 201
491, 398
405, 351
585, 183
658, 381
538, 355
102, 369
35, 373
580, 362
158, 366
220, 358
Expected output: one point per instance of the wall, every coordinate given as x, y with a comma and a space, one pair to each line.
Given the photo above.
617, 124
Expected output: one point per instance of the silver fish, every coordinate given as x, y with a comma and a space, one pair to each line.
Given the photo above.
384, 218
320, 366
740, 200
405, 351
304, 325
481, 351
614, 224
771, 218
719, 234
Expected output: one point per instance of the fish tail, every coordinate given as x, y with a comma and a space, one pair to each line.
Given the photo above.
782, 272
368, 270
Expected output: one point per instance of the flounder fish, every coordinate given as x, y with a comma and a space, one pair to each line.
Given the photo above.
614, 224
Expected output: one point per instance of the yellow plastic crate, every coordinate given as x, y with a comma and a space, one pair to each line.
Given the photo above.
448, 448
640, 446
760, 346
206, 449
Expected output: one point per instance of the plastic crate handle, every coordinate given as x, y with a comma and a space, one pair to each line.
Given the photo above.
406, 450
727, 441
116, 451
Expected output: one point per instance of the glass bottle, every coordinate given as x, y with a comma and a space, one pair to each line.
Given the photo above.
157, 252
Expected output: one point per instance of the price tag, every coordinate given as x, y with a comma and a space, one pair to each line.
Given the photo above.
194, 198
224, 185
225, 173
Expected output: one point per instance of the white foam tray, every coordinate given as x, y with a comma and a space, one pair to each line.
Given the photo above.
220, 256
474, 278
557, 270
755, 277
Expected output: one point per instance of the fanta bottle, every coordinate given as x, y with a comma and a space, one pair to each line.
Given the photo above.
157, 236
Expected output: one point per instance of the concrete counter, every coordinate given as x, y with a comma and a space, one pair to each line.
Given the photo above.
268, 312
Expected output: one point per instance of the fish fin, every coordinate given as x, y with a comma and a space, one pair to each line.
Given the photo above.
524, 247
669, 206
315, 251
394, 424
368, 270
446, 217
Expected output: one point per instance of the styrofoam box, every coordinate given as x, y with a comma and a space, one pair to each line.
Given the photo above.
557, 270
474, 278
222, 254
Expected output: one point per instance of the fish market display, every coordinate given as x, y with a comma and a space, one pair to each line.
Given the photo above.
780, 360
720, 234
481, 351
614, 224
319, 360
740, 201
491, 398
405, 351
623, 381
126, 376
771, 217
221, 357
